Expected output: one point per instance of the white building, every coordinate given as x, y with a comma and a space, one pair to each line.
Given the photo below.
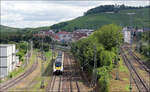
140, 30
87, 31
127, 35
7, 59
64, 36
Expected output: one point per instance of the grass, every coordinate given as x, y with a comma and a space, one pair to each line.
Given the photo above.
46, 74
48, 55
21, 69
119, 85
127, 87
36, 81
122, 67
125, 79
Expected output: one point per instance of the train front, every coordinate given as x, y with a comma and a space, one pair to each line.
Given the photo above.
58, 66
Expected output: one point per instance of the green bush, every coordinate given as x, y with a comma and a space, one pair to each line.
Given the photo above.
106, 58
10, 75
103, 78
104, 85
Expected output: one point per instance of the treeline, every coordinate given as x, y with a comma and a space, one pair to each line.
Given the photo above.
20, 35
8, 34
110, 8
25, 35
106, 40
59, 26
43, 43
144, 44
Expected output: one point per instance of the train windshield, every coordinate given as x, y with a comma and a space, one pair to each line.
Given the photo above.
60, 54
58, 64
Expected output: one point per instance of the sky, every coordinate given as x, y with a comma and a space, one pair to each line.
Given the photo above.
22, 14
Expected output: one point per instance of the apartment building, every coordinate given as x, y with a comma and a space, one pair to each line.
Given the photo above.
7, 59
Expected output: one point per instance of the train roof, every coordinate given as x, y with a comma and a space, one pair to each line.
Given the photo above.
59, 53
58, 59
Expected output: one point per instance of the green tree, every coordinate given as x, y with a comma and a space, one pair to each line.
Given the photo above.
109, 35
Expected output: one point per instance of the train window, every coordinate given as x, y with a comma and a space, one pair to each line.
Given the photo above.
60, 54
58, 64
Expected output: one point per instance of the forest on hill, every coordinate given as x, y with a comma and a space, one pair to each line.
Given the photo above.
108, 14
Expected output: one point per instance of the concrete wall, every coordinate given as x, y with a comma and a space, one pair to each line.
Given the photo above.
127, 36
7, 58
3, 72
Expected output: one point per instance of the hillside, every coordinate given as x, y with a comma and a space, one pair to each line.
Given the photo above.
11, 29
97, 17
8, 34
95, 20
8, 29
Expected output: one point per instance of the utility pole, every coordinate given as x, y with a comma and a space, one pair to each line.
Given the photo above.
52, 50
117, 60
27, 53
130, 87
94, 75
31, 47
42, 66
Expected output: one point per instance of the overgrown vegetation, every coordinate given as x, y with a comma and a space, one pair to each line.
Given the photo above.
42, 41
22, 47
144, 44
106, 39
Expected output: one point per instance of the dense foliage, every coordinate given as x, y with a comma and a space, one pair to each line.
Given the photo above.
22, 47
42, 42
145, 44
106, 39
110, 8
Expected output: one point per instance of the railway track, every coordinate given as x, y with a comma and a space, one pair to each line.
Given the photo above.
140, 83
55, 83
74, 73
16, 80
64, 83
138, 60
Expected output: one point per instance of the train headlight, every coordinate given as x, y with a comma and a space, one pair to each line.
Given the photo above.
54, 69
61, 69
